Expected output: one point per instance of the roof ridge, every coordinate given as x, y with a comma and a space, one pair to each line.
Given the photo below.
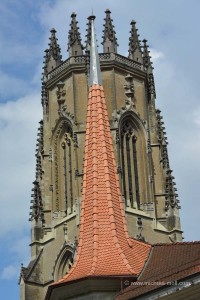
110, 202
139, 241
176, 243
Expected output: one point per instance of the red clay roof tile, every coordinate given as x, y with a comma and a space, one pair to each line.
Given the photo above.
166, 263
104, 247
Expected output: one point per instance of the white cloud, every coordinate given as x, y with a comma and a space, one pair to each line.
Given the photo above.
18, 252
18, 123
9, 272
156, 54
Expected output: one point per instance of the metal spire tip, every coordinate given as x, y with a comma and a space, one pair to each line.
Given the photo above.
95, 71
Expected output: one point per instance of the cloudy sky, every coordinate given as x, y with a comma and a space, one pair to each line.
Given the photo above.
172, 30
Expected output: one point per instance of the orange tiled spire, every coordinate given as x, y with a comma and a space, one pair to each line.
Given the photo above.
104, 247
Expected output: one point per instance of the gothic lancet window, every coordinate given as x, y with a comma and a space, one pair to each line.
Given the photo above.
63, 170
129, 164
67, 173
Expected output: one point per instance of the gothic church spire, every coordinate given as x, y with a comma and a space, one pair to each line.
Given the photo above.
75, 47
135, 52
109, 39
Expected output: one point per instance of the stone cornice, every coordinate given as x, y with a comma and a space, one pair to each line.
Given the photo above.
107, 60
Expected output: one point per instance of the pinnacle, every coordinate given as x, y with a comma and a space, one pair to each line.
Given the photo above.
135, 52
109, 39
52, 53
146, 57
54, 48
88, 35
74, 38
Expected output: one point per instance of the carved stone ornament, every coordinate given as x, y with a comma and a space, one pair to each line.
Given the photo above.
129, 101
139, 236
61, 93
66, 114
129, 92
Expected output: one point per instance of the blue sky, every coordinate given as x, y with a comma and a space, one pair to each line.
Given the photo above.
172, 29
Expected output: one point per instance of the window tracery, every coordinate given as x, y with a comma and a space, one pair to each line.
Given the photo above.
63, 263
67, 173
63, 172
129, 164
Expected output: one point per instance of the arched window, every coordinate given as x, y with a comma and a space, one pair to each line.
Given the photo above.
129, 164
67, 173
64, 169
63, 263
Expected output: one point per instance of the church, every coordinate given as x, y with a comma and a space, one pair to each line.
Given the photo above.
104, 210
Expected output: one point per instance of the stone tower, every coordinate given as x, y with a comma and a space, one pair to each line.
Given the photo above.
146, 182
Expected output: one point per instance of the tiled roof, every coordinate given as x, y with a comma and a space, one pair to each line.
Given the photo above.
167, 263
104, 247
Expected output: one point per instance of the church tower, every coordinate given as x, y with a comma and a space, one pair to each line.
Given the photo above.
145, 182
